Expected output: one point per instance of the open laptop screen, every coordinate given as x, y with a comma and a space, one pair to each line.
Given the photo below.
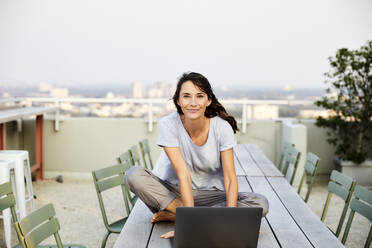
217, 227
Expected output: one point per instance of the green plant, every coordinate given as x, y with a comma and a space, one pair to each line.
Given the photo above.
349, 124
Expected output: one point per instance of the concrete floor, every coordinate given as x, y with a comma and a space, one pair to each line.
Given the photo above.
80, 218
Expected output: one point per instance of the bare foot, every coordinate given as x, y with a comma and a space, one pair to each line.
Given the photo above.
163, 216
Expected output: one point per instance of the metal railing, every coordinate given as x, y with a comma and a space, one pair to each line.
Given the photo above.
245, 103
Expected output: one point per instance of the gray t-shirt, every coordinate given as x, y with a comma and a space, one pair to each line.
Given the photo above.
204, 161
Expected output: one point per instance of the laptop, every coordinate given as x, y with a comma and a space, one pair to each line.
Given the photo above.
217, 227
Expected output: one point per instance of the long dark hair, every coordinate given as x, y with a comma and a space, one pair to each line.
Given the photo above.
215, 108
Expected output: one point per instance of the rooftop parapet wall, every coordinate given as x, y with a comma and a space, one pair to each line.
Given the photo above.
86, 144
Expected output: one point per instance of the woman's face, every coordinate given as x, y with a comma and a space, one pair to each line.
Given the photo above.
192, 101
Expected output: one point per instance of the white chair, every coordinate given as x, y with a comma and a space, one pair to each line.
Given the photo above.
5, 170
21, 170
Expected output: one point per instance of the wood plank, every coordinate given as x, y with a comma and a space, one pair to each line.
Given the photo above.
262, 162
238, 168
159, 229
266, 237
137, 230
285, 228
318, 234
246, 161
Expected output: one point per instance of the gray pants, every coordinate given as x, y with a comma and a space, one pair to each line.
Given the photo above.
157, 194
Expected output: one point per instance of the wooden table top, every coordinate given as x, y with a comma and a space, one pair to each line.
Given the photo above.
289, 223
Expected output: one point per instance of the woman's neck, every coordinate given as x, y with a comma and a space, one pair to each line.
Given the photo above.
195, 127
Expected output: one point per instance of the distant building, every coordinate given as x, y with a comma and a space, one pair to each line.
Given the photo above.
138, 91
110, 95
59, 92
45, 87
157, 91
312, 114
263, 112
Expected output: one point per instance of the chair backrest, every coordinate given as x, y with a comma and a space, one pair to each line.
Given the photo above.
342, 186
311, 165
133, 151
7, 199
285, 148
124, 158
38, 226
362, 204
145, 152
292, 158
108, 178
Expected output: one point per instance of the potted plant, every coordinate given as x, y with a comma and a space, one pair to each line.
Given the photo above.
349, 100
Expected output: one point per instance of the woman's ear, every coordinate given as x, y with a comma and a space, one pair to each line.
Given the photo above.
209, 102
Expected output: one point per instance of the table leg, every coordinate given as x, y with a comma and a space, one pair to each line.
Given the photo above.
39, 147
20, 186
2, 136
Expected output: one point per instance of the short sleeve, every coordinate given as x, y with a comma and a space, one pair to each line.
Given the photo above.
226, 136
168, 135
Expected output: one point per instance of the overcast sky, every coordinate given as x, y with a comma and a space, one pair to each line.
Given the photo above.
266, 43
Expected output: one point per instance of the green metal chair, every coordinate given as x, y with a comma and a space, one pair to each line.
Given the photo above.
145, 151
7, 200
359, 204
286, 146
38, 226
108, 178
125, 158
35, 227
311, 166
292, 158
342, 186
133, 151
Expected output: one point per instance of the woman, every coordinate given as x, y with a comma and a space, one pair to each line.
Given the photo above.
199, 170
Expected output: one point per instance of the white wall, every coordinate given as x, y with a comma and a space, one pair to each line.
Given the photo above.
296, 134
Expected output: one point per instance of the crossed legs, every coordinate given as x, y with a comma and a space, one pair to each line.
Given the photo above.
163, 198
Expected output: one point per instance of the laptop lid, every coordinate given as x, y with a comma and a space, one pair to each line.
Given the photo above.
217, 227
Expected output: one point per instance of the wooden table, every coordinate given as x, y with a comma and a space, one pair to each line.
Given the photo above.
289, 223
19, 113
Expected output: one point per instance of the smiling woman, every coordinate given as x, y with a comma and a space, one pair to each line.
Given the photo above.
199, 169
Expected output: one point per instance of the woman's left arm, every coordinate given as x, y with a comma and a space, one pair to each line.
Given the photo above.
229, 177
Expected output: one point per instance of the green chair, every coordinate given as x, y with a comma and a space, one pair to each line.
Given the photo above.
311, 166
342, 186
135, 157
108, 178
145, 151
125, 158
359, 204
292, 158
7, 200
36, 226
286, 146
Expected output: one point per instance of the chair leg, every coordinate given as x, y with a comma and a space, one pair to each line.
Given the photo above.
310, 187
105, 239
347, 228
325, 209
301, 182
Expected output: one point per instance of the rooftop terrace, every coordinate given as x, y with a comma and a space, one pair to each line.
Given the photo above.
81, 145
